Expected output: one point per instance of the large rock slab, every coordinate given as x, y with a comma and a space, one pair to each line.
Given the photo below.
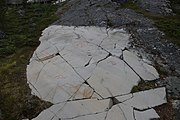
113, 77
93, 109
87, 74
145, 99
145, 71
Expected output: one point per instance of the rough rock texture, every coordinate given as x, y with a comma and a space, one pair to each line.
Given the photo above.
145, 36
85, 61
161, 7
172, 84
88, 74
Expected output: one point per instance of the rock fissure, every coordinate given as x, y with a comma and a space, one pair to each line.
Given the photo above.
93, 74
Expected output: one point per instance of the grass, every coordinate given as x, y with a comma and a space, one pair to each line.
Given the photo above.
170, 25
23, 27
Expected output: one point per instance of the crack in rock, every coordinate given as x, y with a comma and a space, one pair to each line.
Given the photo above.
88, 74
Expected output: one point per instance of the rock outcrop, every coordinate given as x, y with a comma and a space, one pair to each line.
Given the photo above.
161, 7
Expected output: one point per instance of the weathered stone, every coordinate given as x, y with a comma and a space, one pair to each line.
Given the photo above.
146, 115
80, 71
75, 109
145, 99
113, 77
145, 71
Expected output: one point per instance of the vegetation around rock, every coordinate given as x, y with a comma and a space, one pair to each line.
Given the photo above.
23, 27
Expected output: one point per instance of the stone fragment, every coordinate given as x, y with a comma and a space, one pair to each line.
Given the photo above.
120, 112
144, 70
75, 109
113, 77
54, 84
146, 115
145, 99
80, 71
113, 43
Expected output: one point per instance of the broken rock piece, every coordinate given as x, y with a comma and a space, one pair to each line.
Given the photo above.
146, 115
144, 70
113, 77
145, 99
76, 109
80, 71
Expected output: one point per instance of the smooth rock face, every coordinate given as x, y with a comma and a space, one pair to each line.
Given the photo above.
145, 99
145, 71
86, 73
93, 109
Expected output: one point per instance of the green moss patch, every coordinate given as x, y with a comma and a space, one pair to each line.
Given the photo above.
143, 85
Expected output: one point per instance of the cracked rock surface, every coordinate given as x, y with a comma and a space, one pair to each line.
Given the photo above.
88, 73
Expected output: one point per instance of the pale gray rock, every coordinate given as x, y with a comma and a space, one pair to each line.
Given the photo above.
87, 74
76, 109
145, 71
93, 109
113, 77
146, 115
145, 99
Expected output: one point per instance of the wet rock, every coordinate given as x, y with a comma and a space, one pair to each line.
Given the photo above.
145, 99
147, 72
161, 7
84, 58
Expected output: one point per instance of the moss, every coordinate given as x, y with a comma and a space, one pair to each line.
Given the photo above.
170, 25
143, 85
